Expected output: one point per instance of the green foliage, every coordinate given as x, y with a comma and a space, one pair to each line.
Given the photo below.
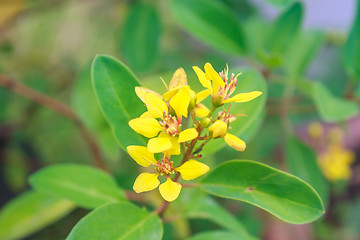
115, 86
352, 47
215, 235
86, 186
118, 221
330, 107
277, 192
301, 161
204, 207
30, 212
280, 2
140, 36
212, 22
249, 80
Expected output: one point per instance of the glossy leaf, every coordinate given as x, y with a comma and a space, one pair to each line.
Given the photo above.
115, 86
85, 104
285, 29
212, 22
352, 47
244, 127
330, 107
205, 207
215, 235
283, 195
140, 36
30, 212
301, 161
84, 185
118, 221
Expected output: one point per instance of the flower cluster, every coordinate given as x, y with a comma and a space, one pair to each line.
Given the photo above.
164, 124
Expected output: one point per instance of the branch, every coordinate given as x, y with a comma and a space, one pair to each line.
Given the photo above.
60, 108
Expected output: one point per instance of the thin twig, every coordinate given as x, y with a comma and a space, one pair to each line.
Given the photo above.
60, 108
161, 209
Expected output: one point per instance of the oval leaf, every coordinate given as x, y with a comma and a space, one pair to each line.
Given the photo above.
140, 37
118, 221
215, 235
301, 161
249, 80
30, 212
330, 107
285, 29
114, 86
352, 47
86, 186
283, 195
212, 22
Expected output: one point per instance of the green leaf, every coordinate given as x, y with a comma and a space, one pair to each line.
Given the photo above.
115, 86
302, 51
118, 221
212, 22
280, 3
283, 195
30, 212
249, 80
302, 163
88, 109
205, 207
285, 29
330, 107
86, 186
352, 47
215, 235
140, 36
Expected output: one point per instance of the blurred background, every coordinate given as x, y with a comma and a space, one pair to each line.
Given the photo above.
307, 53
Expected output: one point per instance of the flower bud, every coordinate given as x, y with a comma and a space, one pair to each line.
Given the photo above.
192, 102
218, 102
218, 129
205, 122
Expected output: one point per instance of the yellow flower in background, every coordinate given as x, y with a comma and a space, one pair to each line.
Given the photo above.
170, 189
336, 162
220, 86
219, 130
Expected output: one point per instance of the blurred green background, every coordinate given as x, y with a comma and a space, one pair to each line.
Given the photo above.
307, 52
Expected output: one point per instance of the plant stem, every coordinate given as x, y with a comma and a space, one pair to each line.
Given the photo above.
60, 108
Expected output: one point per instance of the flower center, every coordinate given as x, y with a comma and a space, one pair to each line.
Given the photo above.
165, 166
170, 124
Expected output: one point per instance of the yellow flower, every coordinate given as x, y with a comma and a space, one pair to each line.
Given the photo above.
336, 162
169, 190
219, 130
159, 119
220, 86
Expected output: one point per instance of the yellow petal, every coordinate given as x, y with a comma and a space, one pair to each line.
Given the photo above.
201, 111
169, 94
141, 155
202, 95
175, 149
187, 135
170, 190
235, 142
149, 127
243, 97
146, 114
141, 92
178, 79
180, 102
155, 105
192, 169
159, 144
202, 77
146, 182
214, 76
218, 129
